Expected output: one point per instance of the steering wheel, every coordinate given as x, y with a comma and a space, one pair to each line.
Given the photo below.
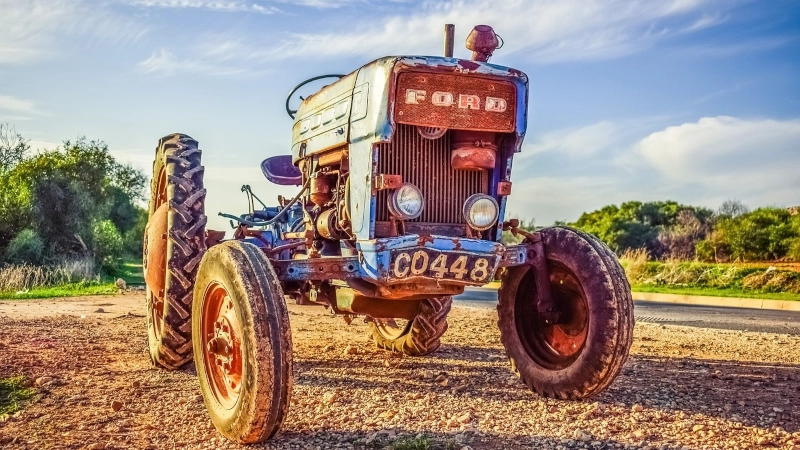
292, 112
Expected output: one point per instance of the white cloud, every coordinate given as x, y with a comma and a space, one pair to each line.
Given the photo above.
545, 31
322, 4
32, 30
537, 31
728, 157
574, 142
701, 163
547, 199
17, 105
211, 5
164, 63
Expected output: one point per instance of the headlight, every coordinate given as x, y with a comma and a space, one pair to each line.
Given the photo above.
481, 211
406, 202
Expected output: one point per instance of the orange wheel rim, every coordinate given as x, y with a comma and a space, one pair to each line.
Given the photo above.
221, 333
156, 293
555, 346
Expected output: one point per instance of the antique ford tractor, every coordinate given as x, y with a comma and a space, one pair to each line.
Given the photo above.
404, 167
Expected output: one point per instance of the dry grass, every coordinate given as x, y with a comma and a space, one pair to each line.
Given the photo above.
25, 277
635, 263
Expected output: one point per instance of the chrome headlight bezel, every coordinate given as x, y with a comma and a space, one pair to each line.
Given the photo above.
397, 209
476, 200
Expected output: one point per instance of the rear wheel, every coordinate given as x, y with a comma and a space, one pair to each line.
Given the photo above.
582, 353
174, 243
417, 337
242, 342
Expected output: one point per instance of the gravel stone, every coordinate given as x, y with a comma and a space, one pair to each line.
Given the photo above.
665, 399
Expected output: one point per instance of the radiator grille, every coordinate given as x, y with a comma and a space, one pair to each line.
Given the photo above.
426, 164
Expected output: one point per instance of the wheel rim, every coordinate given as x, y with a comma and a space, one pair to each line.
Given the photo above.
221, 333
156, 294
554, 346
392, 328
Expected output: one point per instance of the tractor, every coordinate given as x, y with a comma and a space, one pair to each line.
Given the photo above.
403, 168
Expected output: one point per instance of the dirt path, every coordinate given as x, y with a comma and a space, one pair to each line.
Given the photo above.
682, 388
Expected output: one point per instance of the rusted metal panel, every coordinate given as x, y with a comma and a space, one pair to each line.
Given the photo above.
350, 301
327, 268
515, 255
455, 102
384, 229
323, 118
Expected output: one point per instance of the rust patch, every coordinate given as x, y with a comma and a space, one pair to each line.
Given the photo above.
425, 239
504, 188
214, 237
386, 181
469, 65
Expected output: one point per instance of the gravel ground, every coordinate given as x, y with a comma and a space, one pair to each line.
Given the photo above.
683, 388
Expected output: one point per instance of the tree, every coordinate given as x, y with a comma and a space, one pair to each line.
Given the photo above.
732, 209
680, 240
762, 234
13, 147
634, 225
61, 193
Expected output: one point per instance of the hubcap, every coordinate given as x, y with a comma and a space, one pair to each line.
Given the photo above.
221, 333
558, 345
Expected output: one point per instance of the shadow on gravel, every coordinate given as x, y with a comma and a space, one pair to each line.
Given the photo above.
404, 439
763, 395
751, 393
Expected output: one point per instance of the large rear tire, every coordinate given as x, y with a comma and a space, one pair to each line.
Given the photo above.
242, 342
176, 205
418, 337
582, 353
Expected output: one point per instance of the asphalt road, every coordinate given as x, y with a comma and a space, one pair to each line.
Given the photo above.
712, 317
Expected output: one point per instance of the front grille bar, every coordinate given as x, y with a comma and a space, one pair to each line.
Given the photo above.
426, 164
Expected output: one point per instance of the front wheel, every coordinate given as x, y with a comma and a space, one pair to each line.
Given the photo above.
242, 342
417, 337
582, 353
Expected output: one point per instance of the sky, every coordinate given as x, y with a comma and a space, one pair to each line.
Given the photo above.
696, 101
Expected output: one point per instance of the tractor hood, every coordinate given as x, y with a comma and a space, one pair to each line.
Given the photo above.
418, 90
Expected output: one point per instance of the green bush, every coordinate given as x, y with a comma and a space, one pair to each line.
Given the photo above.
794, 250
26, 248
704, 251
107, 246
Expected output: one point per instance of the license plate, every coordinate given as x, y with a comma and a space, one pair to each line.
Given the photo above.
444, 265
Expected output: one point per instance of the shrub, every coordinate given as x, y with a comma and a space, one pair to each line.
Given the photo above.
107, 246
794, 250
773, 281
26, 248
705, 251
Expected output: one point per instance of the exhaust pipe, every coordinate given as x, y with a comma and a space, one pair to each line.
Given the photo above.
449, 39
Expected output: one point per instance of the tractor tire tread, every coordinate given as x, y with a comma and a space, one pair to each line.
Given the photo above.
423, 335
179, 155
